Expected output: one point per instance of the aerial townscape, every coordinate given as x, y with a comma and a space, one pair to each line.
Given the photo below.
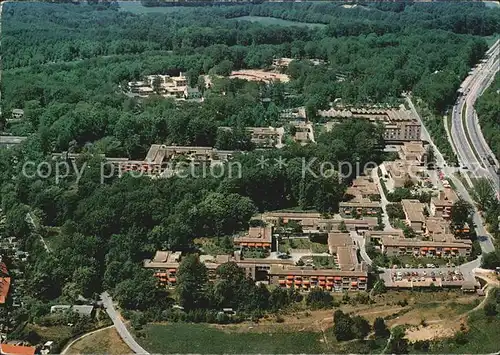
249, 177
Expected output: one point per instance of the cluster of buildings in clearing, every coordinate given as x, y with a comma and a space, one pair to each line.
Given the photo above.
175, 87
349, 274
359, 214
162, 160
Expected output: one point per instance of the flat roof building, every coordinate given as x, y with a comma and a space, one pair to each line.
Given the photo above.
351, 275
360, 207
413, 152
442, 245
440, 206
400, 125
414, 214
257, 237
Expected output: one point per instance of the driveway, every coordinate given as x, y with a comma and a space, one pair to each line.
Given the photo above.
120, 326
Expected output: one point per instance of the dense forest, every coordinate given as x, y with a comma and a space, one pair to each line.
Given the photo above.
66, 65
488, 110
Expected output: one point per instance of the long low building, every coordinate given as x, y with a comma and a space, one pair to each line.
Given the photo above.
314, 222
360, 207
162, 158
327, 279
257, 237
448, 246
284, 273
400, 124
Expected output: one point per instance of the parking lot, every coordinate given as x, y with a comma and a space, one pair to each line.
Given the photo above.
420, 276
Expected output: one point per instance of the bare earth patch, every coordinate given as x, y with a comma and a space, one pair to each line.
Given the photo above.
106, 341
259, 75
433, 331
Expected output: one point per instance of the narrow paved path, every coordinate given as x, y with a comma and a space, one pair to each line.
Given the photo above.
120, 326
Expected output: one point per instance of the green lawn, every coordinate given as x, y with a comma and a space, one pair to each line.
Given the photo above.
203, 339
277, 21
302, 243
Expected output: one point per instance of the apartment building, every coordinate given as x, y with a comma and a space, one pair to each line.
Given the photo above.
5, 282
257, 237
440, 206
400, 125
399, 172
308, 278
303, 132
413, 153
435, 226
313, 222
349, 275
161, 159
307, 220
364, 187
165, 265
165, 85
265, 137
444, 245
360, 207
414, 214
17, 114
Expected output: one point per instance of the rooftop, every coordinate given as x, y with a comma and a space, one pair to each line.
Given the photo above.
280, 270
436, 225
415, 242
446, 198
10, 349
414, 210
256, 235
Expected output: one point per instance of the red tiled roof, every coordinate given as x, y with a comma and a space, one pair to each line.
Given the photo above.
3, 270
4, 289
9, 349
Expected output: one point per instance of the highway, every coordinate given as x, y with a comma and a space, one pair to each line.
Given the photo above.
120, 326
484, 238
466, 134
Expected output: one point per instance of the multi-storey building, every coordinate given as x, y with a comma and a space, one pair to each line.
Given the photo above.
414, 214
444, 245
413, 153
364, 187
400, 126
4, 283
360, 207
257, 237
162, 159
265, 137
440, 206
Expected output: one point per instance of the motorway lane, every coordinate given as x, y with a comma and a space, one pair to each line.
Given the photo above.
472, 87
483, 236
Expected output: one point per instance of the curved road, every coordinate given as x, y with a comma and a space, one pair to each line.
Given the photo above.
120, 326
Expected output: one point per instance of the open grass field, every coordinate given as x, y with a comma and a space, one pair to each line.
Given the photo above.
106, 341
277, 21
302, 243
204, 339
311, 332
